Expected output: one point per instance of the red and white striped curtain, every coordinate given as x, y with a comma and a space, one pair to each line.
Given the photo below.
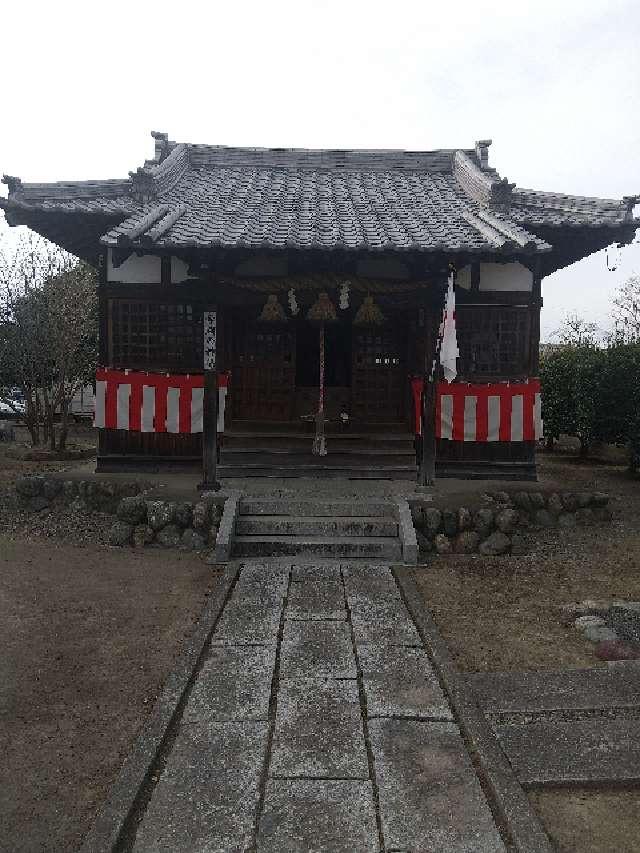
501, 411
153, 402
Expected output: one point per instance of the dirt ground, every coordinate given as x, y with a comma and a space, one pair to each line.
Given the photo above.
505, 614
88, 636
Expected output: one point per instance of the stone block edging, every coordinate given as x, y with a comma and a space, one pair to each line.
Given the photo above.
226, 528
116, 816
138, 520
407, 532
509, 803
500, 522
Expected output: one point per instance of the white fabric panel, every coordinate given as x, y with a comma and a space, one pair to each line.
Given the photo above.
222, 400
517, 417
446, 416
470, 405
449, 351
99, 404
197, 398
179, 270
537, 418
493, 418
173, 410
148, 408
122, 406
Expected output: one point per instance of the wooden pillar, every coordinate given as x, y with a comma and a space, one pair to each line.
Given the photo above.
210, 402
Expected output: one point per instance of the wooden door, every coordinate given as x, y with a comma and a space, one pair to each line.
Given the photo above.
263, 372
378, 373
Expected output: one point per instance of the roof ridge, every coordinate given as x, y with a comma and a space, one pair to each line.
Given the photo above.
440, 159
482, 184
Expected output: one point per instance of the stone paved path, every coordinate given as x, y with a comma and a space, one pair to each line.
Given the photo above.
317, 724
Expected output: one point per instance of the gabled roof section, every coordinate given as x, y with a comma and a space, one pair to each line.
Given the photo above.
205, 197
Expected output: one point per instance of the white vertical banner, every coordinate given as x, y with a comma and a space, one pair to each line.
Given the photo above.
210, 333
449, 351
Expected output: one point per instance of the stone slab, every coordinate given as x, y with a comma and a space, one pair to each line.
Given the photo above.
319, 731
400, 682
390, 626
244, 622
258, 582
580, 752
315, 571
430, 797
351, 571
234, 684
332, 816
375, 588
594, 688
317, 650
316, 599
206, 798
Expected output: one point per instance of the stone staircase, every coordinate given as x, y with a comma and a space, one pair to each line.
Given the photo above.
326, 528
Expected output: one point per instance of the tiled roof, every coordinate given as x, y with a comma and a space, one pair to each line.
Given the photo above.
211, 196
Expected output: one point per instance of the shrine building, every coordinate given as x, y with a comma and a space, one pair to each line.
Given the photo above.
311, 283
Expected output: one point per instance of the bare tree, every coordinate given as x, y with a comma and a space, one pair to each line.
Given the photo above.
575, 331
626, 311
48, 331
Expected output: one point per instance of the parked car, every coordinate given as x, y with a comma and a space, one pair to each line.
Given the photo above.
12, 404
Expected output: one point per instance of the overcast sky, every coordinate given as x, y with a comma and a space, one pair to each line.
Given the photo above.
555, 84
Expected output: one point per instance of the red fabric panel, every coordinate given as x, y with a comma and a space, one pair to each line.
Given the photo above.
135, 403
482, 416
160, 419
111, 404
528, 426
184, 405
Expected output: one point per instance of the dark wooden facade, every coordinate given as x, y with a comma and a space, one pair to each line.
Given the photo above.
274, 366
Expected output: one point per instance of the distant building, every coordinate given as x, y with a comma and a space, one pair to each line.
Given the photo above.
245, 241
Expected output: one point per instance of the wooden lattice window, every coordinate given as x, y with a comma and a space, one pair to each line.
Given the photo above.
494, 342
155, 335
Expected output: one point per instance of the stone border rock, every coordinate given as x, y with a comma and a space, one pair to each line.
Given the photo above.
612, 626
170, 524
511, 808
498, 525
139, 521
128, 791
37, 492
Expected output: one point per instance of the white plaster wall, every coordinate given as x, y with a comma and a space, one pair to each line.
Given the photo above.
463, 278
179, 270
144, 269
506, 277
